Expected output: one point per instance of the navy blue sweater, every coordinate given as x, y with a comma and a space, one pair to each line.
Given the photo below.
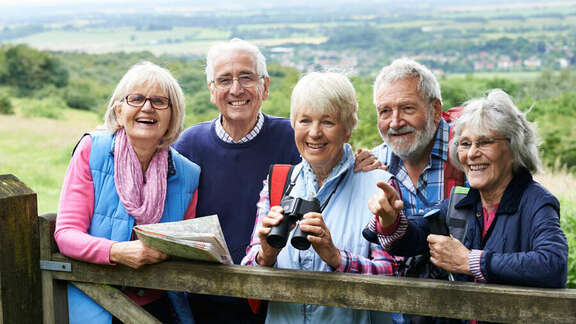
232, 174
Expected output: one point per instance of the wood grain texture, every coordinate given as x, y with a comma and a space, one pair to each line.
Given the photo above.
19, 260
463, 300
117, 303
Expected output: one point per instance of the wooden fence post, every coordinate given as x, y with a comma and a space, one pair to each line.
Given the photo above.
21, 287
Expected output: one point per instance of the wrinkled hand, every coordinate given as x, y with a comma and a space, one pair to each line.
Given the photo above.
320, 238
448, 253
386, 204
267, 254
135, 254
365, 161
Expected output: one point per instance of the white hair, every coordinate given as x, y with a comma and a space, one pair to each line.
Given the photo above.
495, 112
326, 92
235, 44
406, 68
147, 74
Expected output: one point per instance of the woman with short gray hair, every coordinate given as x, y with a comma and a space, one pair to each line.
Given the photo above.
323, 113
512, 223
497, 112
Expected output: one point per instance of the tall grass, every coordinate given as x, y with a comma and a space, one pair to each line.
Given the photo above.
563, 185
37, 149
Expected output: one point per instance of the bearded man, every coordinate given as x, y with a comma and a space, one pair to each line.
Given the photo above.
415, 149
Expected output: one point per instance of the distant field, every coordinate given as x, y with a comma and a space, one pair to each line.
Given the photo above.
178, 41
526, 8
299, 25
184, 41
516, 76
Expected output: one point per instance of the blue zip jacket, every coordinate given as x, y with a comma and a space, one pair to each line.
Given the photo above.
524, 244
111, 220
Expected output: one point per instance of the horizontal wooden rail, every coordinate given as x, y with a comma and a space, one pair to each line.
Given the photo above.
464, 300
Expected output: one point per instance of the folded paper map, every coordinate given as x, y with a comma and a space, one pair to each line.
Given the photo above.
198, 239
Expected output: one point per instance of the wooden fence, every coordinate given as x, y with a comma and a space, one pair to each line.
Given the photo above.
30, 294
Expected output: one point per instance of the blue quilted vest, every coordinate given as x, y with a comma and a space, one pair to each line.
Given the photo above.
110, 219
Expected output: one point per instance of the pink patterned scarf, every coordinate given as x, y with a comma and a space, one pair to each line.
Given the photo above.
143, 200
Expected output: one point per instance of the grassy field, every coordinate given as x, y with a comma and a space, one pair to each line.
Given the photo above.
177, 41
37, 151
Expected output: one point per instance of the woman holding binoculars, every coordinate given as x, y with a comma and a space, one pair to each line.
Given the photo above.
323, 114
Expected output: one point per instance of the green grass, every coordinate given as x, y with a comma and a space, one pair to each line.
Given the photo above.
568, 221
37, 150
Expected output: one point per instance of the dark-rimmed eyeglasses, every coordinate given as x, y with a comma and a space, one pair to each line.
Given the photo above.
247, 80
157, 102
483, 144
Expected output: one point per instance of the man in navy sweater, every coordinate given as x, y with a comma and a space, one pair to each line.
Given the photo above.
234, 152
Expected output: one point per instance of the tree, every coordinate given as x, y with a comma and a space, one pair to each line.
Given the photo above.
30, 69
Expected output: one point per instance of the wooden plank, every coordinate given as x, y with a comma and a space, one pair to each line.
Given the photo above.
1, 313
54, 299
21, 293
404, 295
117, 303
54, 292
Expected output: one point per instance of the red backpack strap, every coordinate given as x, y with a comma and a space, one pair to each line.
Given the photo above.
278, 180
452, 114
452, 176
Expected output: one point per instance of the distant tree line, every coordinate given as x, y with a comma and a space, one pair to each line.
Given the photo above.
39, 83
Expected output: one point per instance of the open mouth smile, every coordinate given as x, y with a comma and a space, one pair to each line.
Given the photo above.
147, 121
316, 145
478, 167
238, 102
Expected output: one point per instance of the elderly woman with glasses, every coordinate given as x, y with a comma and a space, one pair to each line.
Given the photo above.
323, 114
123, 177
513, 233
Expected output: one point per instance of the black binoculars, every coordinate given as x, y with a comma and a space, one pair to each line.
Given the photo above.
294, 210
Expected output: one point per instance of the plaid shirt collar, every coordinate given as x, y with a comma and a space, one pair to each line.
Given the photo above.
439, 150
250, 136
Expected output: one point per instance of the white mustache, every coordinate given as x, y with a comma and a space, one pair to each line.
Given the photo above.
402, 130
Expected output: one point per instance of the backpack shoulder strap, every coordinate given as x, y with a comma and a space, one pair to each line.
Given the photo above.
278, 180
457, 219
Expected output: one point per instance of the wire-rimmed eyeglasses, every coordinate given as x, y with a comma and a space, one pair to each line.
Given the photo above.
247, 80
482, 144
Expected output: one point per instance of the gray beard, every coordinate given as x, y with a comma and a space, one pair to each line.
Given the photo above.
414, 151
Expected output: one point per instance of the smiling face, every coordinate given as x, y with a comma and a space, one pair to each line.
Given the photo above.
489, 168
407, 123
144, 125
320, 139
238, 104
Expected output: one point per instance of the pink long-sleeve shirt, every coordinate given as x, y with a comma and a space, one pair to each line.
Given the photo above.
75, 211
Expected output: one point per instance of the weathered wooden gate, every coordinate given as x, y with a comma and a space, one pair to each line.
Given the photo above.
30, 294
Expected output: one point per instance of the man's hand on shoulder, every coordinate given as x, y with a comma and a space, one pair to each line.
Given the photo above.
365, 161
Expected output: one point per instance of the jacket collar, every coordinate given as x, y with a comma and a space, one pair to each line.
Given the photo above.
510, 199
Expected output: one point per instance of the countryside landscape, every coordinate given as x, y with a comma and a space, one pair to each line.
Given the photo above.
59, 63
